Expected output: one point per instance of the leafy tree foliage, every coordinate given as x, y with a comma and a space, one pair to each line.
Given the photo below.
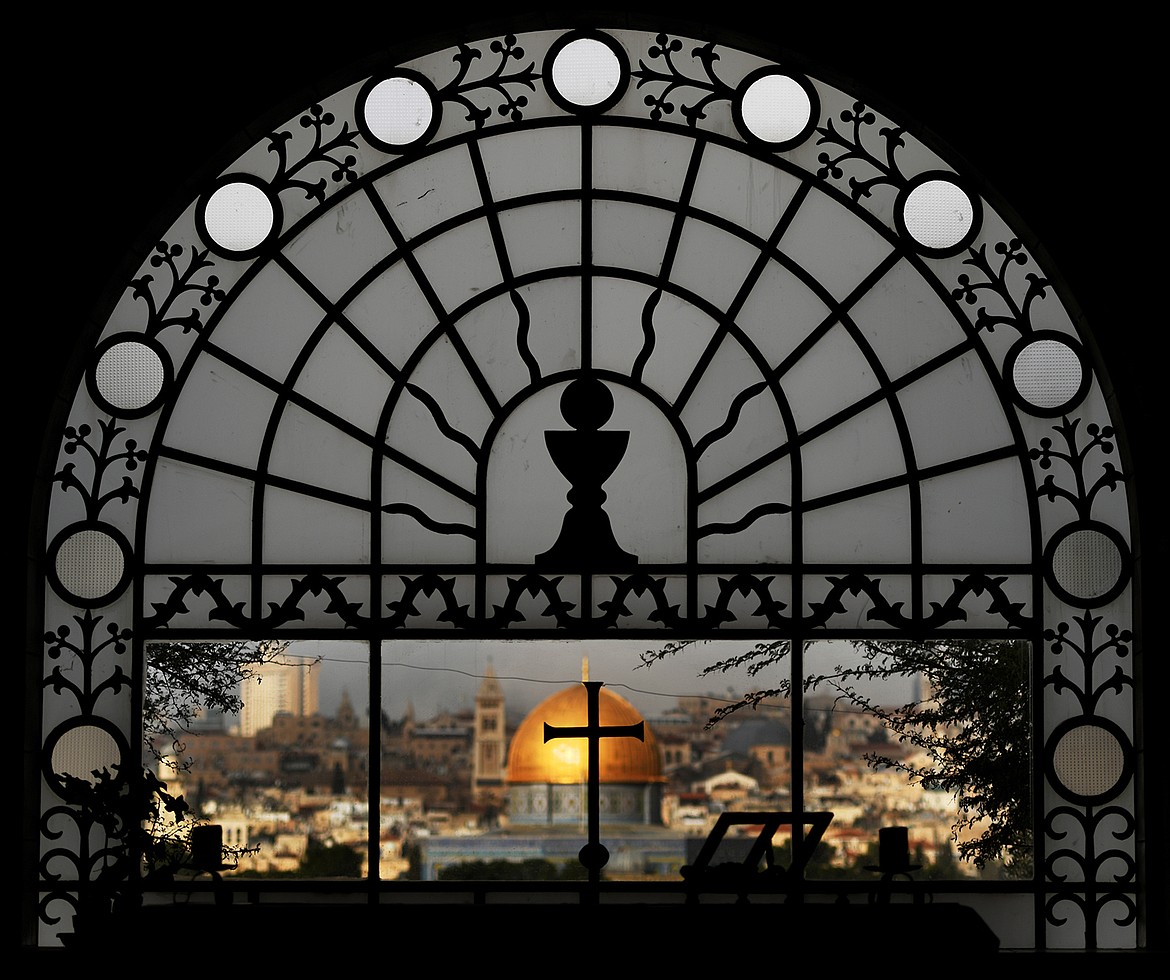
972, 726
186, 680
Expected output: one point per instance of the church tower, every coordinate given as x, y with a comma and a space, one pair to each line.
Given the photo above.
487, 780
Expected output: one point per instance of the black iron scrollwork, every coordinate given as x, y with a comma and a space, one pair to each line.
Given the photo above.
672, 79
995, 281
85, 690
1087, 694
853, 149
160, 315
234, 613
102, 456
498, 81
323, 151
1082, 493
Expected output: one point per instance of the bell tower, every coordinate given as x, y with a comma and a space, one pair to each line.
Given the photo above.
487, 780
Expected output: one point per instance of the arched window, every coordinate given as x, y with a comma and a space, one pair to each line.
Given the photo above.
600, 333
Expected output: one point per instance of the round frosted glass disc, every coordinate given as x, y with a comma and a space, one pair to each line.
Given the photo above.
129, 375
90, 563
238, 216
776, 108
398, 111
1087, 564
83, 750
1089, 761
1047, 374
586, 72
938, 214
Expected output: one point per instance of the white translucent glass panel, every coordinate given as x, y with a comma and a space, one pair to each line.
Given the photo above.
340, 377
300, 528
712, 263
460, 264
311, 451
830, 377
393, 313
554, 324
653, 163
780, 312
681, 331
425, 523
542, 236
834, 245
752, 427
751, 193
953, 412
220, 413
860, 451
341, 245
871, 530
618, 335
431, 189
905, 321
526, 493
532, 162
489, 331
629, 236
441, 418
728, 375
269, 322
198, 515
415, 432
977, 514
766, 539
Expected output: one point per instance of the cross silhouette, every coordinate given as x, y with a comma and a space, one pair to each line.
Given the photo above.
594, 854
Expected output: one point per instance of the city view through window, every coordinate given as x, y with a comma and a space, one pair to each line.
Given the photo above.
934, 738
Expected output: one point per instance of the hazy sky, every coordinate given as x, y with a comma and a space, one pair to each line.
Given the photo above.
438, 674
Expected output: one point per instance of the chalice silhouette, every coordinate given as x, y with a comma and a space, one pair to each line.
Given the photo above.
587, 458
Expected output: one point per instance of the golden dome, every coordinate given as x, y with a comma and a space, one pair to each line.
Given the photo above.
566, 760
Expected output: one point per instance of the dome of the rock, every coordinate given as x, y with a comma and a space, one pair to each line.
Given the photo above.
546, 780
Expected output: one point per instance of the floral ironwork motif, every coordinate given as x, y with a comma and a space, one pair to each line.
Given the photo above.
498, 81
1117, 640
853, 149
1019, 314
672, 79
102, 456
1082, 494
323, 151
234, 614
87, 691
161, 315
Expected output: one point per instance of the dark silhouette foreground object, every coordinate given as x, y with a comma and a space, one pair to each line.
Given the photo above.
587, 458
594, 854
746, 875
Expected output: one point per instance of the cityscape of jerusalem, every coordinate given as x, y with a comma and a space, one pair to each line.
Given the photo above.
466, 781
